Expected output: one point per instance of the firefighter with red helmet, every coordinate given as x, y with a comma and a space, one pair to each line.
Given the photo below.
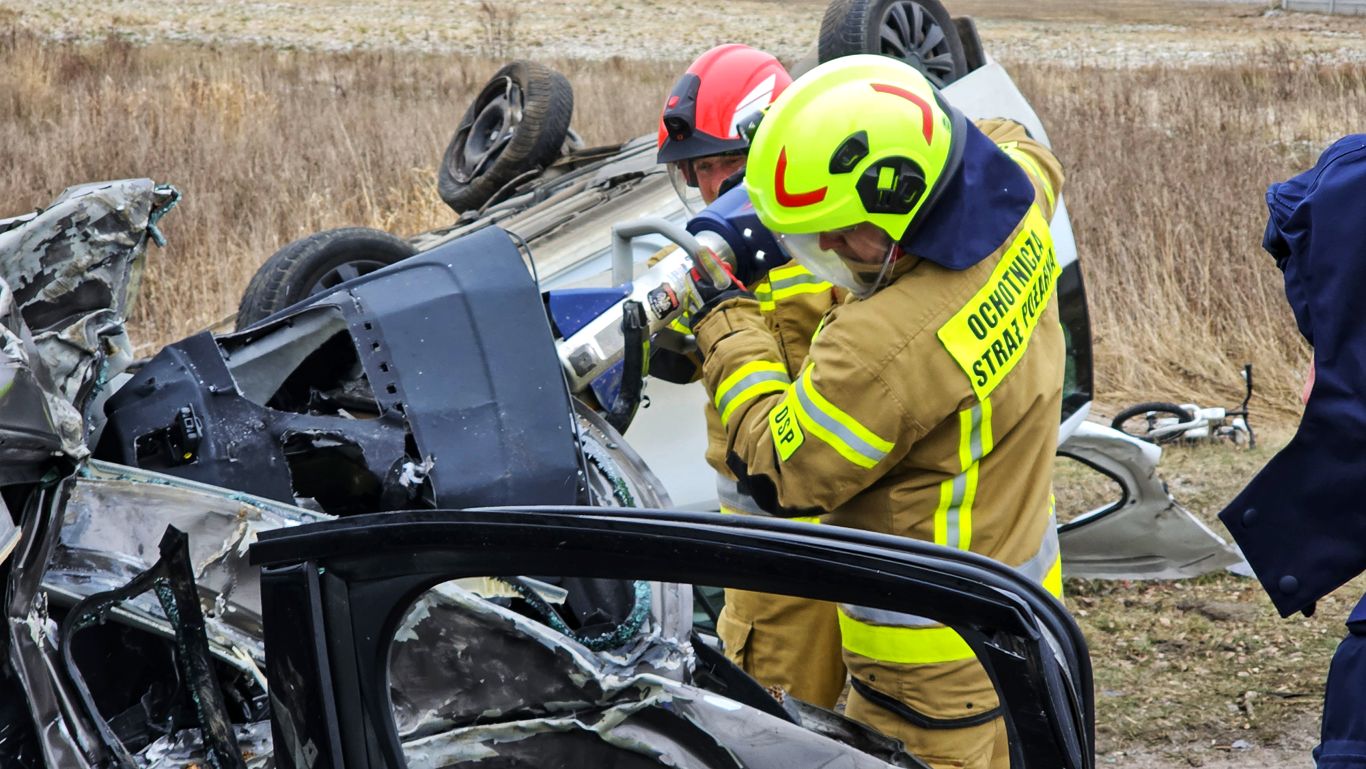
782, 641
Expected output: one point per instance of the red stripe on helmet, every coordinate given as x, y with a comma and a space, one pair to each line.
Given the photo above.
926, 117
793, 199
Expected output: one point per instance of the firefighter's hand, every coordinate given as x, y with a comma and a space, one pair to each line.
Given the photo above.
705, 295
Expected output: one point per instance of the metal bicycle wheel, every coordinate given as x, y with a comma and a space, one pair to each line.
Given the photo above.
1142, 420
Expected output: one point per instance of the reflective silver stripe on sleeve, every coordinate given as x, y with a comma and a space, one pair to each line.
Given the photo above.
736, 389
855, 443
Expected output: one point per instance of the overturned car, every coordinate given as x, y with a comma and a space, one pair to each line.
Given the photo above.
515, 163
153, 620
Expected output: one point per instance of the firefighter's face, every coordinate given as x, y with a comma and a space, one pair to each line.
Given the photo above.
865, 242
710, 171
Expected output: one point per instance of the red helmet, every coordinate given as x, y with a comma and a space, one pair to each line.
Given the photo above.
722, 88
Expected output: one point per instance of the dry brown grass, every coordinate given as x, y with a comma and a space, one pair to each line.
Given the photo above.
1167, 168
1167, 174
267, 145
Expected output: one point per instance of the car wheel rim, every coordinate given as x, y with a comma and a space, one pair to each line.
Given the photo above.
344, 272
909, 33
491, 130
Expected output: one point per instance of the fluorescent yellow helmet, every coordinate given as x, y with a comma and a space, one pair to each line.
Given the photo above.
858, 139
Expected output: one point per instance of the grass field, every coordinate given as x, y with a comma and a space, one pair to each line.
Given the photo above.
1166, 162
278, 120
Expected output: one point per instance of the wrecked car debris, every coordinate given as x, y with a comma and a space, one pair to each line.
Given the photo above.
1160, 538
559, 701
87, 526
172, 582
435, 363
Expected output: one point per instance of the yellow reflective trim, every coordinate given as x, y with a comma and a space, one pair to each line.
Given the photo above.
768, 302
678, 325
985, 429
785, 282
904, 645
789, 270
830, 439
965, 511
819, 326
747, 369
763, 293
746, 382
941, 518
834, 427
991, 332
816, 519
1052, 582
750, 393
964, 439
846, 421
983, 435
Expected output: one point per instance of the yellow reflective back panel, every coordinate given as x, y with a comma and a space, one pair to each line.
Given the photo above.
988, 336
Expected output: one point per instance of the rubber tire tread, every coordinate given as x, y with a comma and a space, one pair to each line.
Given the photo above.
548, 106
1140, 409
845, 30
283, 280
974, 55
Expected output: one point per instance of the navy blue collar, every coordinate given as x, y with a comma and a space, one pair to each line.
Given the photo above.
981, 206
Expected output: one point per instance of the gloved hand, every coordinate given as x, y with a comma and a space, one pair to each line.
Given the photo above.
705, 295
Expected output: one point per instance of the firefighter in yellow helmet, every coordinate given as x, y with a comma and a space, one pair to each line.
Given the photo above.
782, 641
928, 404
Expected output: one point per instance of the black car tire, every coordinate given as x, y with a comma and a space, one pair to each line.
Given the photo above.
974, 56
858, 26
1156, 408
314, 264
517, 123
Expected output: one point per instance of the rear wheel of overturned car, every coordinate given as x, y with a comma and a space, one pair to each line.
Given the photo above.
918, 32
317, 263
519, 122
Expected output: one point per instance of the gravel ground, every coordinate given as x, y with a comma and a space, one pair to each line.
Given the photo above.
1066, 31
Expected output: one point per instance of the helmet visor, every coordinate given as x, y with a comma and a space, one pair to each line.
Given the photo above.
684, 182
860, 278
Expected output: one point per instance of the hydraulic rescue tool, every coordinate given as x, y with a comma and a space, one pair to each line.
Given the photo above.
608, 352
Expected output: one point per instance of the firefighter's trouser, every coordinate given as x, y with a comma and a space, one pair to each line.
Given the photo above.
785, 641
919, 682
781, 640
981, 744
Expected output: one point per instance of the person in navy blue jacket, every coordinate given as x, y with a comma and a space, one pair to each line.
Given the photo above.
1301, 522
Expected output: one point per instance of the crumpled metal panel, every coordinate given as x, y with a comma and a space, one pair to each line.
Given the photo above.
110, 526
1148, 535
185, 748
458, 659
474, 682
34, 420
74, 268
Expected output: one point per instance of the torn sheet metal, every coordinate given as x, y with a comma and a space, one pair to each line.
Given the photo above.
1147, 534
458, 659
170, 579
185, 748
472, 681
442, 361
114, 515
74, 269
35, 420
